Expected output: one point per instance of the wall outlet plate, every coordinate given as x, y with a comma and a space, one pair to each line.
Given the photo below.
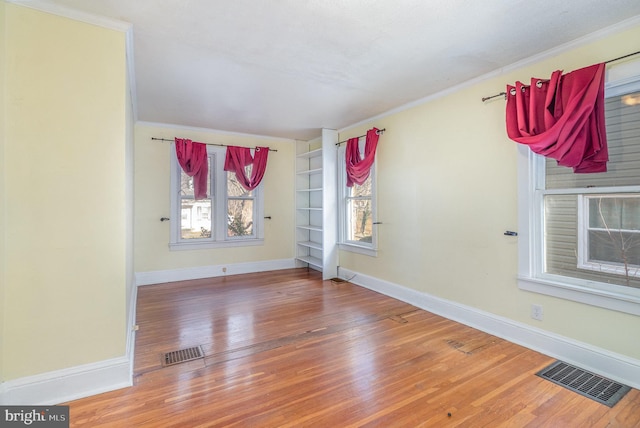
536, 312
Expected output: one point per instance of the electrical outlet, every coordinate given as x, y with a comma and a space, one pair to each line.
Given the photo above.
224, 270
536, 312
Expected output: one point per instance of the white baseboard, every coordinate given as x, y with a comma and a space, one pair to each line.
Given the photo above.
185, 274
82, 381
76, 382
597, 360
68, 384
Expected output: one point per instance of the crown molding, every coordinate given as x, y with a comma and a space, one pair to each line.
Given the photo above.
566, 47
209, 130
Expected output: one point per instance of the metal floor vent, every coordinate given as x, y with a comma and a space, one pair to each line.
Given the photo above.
596, 387
182, 356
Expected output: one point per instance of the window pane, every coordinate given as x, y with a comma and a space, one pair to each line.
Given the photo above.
186, 185
362, 190
195, 222
615, 247
623, 137
614, 213
561, 234
234, 188
240, 217
562, 245
360, 220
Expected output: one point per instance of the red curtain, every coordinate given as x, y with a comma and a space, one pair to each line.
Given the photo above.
239, 157
358, 168
192, 157
562, 118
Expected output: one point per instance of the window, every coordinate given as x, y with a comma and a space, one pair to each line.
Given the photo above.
240, 208
230, 216
357, 210
580, 233
609, 235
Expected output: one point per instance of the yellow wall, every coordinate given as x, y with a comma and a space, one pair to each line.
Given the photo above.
64, 210
447, 192
152, 173
2, 191
129, 202
446, 186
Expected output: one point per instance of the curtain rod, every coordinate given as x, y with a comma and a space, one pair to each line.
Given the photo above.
379, 132
210, 144
606, 62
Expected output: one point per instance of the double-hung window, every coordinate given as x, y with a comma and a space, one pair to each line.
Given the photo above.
357, 230
580, 233
229, 216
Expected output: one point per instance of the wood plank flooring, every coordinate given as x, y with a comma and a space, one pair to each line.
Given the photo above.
286, 349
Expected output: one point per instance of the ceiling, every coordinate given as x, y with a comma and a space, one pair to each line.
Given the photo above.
287, 68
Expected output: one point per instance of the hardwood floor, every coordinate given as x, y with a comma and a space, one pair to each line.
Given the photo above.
286, 349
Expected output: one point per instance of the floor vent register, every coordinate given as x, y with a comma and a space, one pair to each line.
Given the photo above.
598, 388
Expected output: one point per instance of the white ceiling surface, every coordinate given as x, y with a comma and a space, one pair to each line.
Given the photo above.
287, 68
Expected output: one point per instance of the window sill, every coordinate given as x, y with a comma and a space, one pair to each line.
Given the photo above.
359, 249
185, 246
587, 292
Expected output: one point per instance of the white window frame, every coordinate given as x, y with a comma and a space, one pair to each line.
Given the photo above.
218, 180
584, 262
368, 249
531, 273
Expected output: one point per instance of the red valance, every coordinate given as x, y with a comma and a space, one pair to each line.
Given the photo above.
562, 118
238, 158
193, 159
358, 168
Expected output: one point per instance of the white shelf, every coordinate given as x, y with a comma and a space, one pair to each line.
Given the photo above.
314, 261
310, 171
310, 227
311, 244
310, 154
316, 203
